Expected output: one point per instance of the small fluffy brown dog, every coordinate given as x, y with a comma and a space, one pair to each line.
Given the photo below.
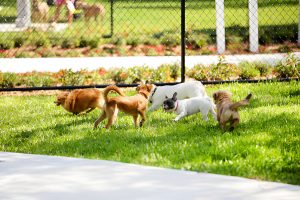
91, 10
227, 111
132, 105
80, 100
40, 11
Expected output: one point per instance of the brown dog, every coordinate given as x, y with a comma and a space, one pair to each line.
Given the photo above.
40, 11
227, 111
91, 10
132, 105
81, 100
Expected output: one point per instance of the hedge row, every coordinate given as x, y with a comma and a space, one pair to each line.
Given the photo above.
289, 67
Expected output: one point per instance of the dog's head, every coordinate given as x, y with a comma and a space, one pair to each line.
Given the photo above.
61, 98
145, 89
221, 95
170, 103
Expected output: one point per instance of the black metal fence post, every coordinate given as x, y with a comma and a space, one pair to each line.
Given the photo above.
183, 41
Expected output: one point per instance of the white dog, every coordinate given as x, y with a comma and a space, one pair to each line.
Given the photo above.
184, 90
190, 106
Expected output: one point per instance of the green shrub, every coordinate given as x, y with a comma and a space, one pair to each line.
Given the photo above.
94, 42
248, 70
119, 75
83, 42
135, 74
8, 80
289, 67
263, 68
223, 70
197, 41
26, 54
66, 43
37, 80
118, 40
68, 77
133, 41
19, 41
199, 72
151, 52
170, 40
163, 73
6, 44
46, 53
42, 41
151, 41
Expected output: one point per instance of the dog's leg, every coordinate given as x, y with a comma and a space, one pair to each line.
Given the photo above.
91, 109
100, 119
181, 115
135, 120
223, 126
112, 116
233, 124
212, 111
143, 118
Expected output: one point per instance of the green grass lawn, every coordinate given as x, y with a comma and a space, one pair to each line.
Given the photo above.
150, 17
266, 144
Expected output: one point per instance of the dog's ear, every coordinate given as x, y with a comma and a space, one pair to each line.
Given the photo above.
174, 96
149, 86
138, 88
215, 96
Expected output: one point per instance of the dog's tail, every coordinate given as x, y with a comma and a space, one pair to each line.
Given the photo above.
243, 102
111, 88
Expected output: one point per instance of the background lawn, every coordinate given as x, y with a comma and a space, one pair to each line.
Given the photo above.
153, 18
266, 144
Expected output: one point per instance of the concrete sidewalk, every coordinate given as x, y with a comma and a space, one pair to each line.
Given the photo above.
22, 65
35, 177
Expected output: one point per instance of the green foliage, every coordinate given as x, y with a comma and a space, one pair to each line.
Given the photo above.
288, 67
41, 40
248, 70
68, 77
19, 41
170, 39
197, 41
264, 68
8, 80
223, 70
119, 75
36, 79
199, 72
6, 44
26, 54
118, 40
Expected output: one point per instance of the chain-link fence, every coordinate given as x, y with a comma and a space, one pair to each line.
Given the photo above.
88, 28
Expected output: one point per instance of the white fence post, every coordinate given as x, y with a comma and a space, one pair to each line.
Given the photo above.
253, 25
220, 26
23, 13
299, 23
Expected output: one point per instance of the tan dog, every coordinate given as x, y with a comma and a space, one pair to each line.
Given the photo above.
80, 100
40, 11
227, 111
132, 105
90, 11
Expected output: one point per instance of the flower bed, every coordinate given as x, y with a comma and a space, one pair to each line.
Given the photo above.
289, 67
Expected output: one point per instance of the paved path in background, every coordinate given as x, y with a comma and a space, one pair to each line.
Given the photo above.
55, 64
36, 177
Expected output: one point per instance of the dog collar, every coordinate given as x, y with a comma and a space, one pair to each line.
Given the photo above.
152, 94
